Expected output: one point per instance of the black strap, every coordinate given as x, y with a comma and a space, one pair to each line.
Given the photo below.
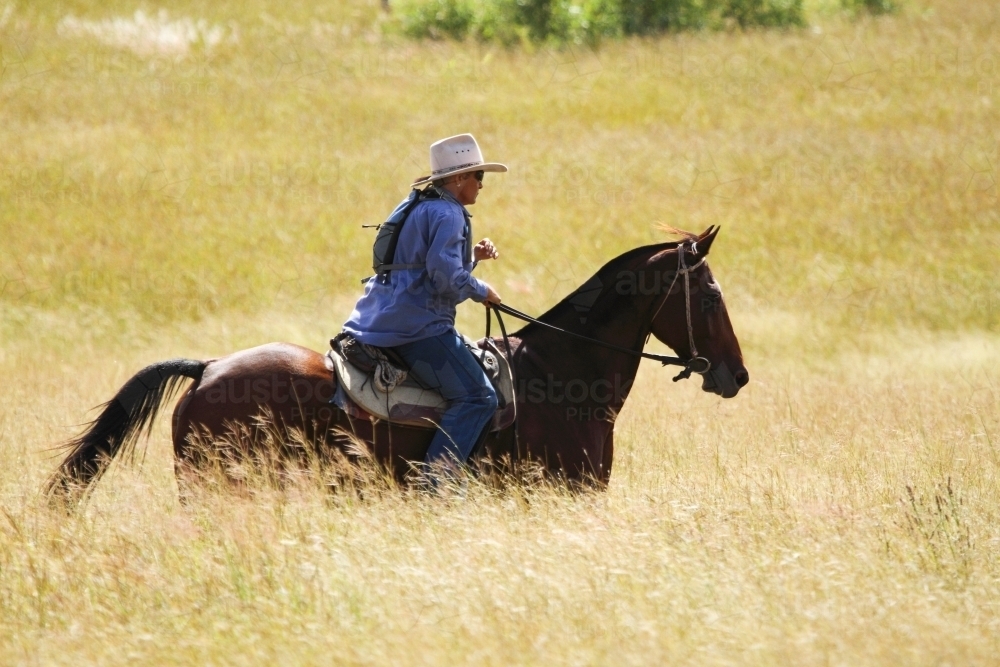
382, 270
506, 342
663, 359
503, 332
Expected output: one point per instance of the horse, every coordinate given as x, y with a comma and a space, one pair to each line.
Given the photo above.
573, 368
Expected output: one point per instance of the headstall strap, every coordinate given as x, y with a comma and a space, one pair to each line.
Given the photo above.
684, 270
687, 295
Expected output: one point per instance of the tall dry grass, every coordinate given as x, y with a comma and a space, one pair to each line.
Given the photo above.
161, 201
776, 527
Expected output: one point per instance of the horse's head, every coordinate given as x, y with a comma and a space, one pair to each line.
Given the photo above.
693, 313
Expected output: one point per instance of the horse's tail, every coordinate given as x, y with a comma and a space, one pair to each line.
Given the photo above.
118, 427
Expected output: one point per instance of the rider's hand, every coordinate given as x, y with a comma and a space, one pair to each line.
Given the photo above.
491, 296
485, 250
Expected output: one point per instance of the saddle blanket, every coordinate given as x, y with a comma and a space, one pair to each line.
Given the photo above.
411, 404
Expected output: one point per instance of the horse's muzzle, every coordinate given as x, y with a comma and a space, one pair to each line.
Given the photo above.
719, 380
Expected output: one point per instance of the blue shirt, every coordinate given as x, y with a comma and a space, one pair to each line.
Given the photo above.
419, 303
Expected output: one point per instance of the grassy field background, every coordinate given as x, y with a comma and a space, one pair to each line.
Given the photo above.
194, 182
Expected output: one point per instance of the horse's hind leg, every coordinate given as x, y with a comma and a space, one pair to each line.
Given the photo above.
208, 447
190, 448
199, 459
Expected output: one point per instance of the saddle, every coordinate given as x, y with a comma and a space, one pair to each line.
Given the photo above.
374, 383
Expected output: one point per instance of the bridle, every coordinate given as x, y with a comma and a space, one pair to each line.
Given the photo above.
684, 270
695, 364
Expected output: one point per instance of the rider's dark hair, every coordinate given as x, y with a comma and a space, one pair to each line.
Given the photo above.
438, 182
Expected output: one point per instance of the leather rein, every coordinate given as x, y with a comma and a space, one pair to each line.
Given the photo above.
695, 364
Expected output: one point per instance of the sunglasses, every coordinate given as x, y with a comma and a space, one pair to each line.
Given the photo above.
479, 175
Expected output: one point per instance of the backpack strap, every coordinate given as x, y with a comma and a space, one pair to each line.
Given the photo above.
385, 268
382, 270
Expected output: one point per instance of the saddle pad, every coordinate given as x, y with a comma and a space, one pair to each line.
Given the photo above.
410, 404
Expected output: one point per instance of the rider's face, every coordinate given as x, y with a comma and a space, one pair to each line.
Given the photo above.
466, 188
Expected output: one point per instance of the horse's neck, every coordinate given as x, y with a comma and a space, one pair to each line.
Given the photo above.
603, 314
608, 307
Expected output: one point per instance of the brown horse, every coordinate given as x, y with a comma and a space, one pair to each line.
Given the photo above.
569, 390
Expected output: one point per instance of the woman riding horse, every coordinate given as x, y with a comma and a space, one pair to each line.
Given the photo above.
411, 306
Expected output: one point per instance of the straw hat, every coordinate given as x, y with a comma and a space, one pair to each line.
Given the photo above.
457, 155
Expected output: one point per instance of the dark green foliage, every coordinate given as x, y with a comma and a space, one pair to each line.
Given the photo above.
438, 19
870, 6
536, 16
767, 13
646, 17
510, 21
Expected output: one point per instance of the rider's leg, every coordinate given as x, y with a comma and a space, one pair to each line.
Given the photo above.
443, 363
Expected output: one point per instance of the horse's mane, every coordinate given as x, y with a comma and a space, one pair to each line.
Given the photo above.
677, 231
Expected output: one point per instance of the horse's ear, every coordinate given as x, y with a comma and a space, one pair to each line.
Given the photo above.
705, 240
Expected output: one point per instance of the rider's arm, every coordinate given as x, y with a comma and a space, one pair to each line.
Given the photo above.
445, 256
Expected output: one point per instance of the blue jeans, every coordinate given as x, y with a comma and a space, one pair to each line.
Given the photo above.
443, 363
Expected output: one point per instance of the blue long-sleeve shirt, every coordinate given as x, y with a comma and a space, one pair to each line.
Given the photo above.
419, 303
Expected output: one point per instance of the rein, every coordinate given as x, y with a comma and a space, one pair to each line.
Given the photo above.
695, 364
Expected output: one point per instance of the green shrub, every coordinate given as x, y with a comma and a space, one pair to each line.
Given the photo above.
537, 17
646, 17
437, 19
870, 6
512, 21
767, 13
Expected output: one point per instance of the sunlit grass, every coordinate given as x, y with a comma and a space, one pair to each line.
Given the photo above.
154, 207
851, 166
774, 527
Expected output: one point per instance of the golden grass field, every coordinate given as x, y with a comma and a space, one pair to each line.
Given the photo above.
192, 183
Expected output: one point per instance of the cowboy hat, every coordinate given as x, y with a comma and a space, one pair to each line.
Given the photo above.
457, 155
